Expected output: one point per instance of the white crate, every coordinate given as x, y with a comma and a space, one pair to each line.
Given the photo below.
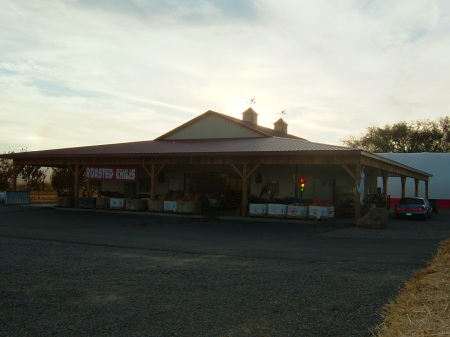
328, 212
276, 210
170, 206
116, 203
315, 212
297, 211
257, 209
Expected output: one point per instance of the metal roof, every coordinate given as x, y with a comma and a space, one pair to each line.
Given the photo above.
189, 147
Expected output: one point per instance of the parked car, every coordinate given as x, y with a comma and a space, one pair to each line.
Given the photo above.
414, 207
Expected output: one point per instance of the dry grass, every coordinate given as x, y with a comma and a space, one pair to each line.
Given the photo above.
423, 306
43, 197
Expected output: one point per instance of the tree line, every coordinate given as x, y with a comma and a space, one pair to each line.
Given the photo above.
405, 137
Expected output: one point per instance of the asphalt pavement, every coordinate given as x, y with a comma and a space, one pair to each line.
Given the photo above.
71, 272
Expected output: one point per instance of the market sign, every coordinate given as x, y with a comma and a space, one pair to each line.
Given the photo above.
111, 173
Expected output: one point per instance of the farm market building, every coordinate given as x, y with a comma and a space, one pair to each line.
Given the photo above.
234, 160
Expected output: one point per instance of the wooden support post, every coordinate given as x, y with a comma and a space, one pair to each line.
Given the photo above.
245, 175
426, 188
403, 178
385, 178
357, 197
152, 173
416, 187
75, 169
357, 194
244, 190
76, 188
152, 182
16, 171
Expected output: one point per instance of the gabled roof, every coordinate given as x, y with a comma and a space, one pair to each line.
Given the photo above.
261, 130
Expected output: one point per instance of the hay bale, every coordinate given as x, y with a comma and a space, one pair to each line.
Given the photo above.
375, 218
422, 307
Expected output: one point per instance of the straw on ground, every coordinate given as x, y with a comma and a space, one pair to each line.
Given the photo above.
422, 308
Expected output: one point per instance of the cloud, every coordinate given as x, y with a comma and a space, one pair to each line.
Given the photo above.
77, 73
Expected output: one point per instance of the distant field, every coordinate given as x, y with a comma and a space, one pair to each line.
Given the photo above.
43, 197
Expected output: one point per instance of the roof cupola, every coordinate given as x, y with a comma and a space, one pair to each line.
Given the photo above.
280, 125
250, 116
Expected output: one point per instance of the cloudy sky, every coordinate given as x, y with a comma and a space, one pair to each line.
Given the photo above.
85, 72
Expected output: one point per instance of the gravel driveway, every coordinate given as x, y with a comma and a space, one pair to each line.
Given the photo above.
83, 273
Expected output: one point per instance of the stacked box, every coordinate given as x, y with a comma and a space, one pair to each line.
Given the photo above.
276, 210
189, 207
17, 198
257, 209
86, 203
155, 205
170, 206
102, 203
135, 205
116, 203
297, 212
315, 212
64, 202
328, 212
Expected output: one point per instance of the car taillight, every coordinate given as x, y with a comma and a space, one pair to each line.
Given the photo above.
400, 209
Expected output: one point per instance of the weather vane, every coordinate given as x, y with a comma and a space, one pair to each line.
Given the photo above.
252, 101
283, 112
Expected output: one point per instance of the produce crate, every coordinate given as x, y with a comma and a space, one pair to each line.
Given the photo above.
170, 206
135, 205
116, 203
189, 207
297, 212
155, 205
86, 203
102, 203
276, 210
257, 209
328, 212
318, 212
18, 198
64, 201
315, 212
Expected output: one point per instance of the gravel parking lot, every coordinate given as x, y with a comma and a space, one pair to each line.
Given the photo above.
86, 273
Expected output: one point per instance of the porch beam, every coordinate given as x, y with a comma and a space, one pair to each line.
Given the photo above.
249, 174
239, 173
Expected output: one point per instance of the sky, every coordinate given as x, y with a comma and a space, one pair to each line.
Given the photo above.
87, 72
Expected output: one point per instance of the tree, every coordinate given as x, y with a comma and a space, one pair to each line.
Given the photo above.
6, 173
34, 177
62, 181
405, 137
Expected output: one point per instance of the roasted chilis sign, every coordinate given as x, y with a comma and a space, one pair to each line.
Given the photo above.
111, 173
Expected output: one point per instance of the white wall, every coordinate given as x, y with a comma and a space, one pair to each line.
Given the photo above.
437, 164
